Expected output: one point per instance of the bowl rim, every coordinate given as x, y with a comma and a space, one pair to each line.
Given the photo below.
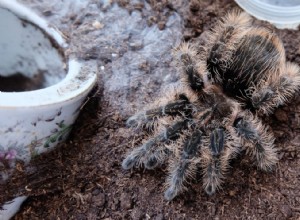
31, 16
67, 89
60, 92
277, 14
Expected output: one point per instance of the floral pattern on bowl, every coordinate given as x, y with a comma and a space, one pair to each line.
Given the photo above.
35, 120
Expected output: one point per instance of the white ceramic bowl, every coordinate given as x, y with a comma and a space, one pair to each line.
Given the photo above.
282, 13
41, 89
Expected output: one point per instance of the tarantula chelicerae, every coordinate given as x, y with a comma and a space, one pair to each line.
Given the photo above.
209, 118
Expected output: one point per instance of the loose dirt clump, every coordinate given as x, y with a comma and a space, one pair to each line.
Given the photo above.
83, 178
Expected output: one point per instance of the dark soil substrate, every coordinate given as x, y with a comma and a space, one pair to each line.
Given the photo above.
83, 179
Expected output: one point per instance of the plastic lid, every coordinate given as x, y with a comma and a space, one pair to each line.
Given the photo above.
282, 13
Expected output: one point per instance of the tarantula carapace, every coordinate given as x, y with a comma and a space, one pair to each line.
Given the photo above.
204, 123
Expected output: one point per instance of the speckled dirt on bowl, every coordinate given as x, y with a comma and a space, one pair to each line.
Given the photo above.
83, 178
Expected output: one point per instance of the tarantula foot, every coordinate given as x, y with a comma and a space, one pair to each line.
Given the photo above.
151, 163
210, 190
170, 193
129, 162
260, 97
213, 182
186, 59
267, 158
136, 120
133, 158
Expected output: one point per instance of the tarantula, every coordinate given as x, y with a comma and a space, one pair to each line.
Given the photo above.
239, 74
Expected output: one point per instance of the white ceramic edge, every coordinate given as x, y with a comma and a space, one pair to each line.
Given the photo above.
287, 18
11, 208
70, 88
55, 94
29, 15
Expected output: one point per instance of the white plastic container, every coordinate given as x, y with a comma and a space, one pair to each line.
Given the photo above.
281, 13
35, 120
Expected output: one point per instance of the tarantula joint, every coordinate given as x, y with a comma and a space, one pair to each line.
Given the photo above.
204, 123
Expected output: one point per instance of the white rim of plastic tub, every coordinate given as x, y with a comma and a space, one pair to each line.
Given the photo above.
282, 17
64, 90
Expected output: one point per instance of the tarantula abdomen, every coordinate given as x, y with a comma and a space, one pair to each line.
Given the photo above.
241, 56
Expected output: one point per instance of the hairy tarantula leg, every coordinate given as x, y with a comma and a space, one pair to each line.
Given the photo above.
213, 173
184, 166
188, 58
259, 140
180, 106
277, 92
146, 154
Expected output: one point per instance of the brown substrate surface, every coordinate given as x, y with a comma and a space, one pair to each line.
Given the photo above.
83, 178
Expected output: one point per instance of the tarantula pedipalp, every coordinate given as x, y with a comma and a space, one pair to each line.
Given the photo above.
207, 121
